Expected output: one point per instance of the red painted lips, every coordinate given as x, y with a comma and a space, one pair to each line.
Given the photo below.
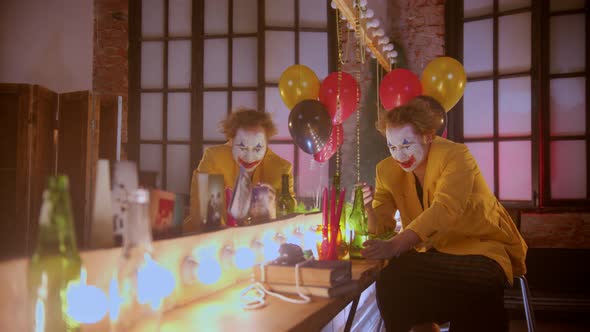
408, 163
247, 165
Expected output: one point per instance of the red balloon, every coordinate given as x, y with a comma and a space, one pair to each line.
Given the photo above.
348, 96
398, 87
334, 142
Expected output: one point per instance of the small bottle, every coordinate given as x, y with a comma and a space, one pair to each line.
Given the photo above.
357, 221
135, 267
56, 263
285, 202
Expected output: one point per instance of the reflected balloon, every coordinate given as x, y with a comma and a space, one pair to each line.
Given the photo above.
435, 106
298, 83
442, 130
349, 91
334, 142
310, 126
444, 80
398, 87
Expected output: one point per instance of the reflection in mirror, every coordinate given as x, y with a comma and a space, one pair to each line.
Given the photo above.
237, 183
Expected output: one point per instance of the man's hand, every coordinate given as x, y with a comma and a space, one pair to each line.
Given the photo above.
367, 195
385, 249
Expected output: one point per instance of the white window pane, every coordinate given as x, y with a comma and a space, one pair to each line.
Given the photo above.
568, 43
152, 64
150, 158
506, 5
483, 152
245, 62
244, 99
514, 106
245, 16
515, 170
478, 48
285, 151
312, 14
216, 17
279, 53
215, 63
178, 174
179, 64
150, 124
568, 106
214, 110
313, 52
514, 39
179, 116
280, 113
568, 169
557, 5
312, 176
180, 17
474, 8
280, 13
478, 109
152, 18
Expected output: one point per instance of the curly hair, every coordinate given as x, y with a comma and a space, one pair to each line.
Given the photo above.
423, 113
247, 118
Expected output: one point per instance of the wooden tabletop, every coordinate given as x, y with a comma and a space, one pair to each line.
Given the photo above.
222, 311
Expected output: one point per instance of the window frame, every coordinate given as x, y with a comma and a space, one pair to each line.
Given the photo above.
197, 88
540, 80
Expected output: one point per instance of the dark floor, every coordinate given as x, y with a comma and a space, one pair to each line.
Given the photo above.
548, 322
551, 326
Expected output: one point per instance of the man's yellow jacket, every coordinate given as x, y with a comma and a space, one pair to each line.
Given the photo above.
461, 215
219, 159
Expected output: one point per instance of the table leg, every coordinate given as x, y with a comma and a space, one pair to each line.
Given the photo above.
351, 313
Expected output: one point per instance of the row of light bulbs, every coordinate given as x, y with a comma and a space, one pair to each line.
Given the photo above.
88, 304
373, 29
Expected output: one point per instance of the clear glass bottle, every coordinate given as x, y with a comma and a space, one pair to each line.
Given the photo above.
342, 236
285, 202
55, 264
357, 222
137, 300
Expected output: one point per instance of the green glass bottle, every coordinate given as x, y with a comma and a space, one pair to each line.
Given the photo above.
357, 222
55, 264
285, 202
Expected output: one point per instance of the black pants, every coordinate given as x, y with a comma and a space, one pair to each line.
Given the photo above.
426, 287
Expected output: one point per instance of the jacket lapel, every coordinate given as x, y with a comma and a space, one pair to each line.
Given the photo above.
431, 175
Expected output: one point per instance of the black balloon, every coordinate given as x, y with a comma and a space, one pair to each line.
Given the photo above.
310, 125
435, 106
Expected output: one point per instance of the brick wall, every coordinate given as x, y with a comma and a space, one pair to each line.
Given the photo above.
110, 60
556, 230
419, 27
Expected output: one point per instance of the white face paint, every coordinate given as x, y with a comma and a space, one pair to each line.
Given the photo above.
407, 148
249, 147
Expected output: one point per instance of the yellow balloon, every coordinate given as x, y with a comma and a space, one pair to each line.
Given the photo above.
444, 79
298, 83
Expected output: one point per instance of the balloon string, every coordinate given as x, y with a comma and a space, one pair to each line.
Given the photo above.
359, 59
378, 78
339, 69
